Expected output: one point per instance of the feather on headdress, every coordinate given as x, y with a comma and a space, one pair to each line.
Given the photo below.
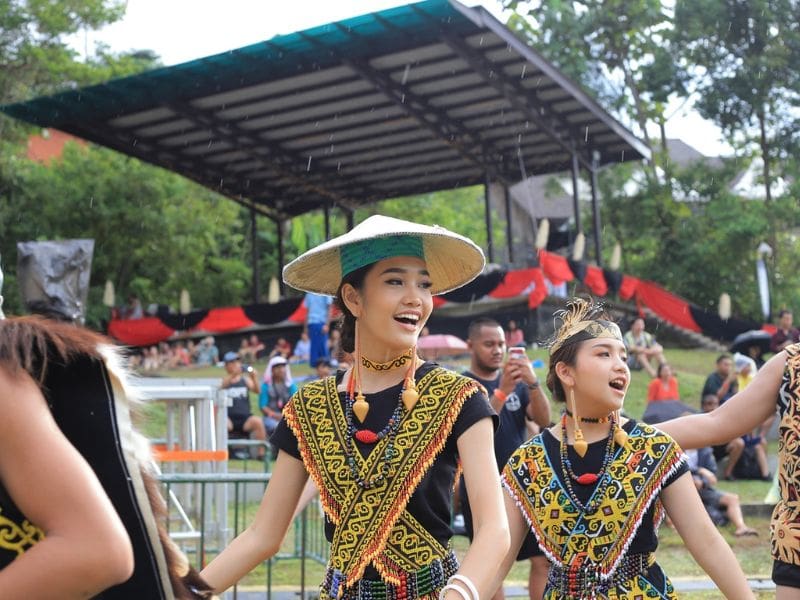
579, 322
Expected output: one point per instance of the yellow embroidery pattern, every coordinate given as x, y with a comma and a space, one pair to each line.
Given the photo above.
596, 541
372, 525
18, 537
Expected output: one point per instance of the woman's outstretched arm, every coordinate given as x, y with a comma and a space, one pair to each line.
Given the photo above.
703, 540
739, 415
491, 540
86, 548
262, 539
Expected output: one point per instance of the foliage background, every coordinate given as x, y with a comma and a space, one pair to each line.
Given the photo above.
156, 233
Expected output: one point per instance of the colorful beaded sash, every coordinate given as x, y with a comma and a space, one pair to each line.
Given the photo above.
17, 534
785, 524
595, 542
421, 584
372, 525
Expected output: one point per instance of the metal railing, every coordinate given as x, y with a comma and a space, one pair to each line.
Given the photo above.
202, 538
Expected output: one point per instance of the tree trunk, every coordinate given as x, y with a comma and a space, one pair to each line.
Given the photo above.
765, 154
641, 119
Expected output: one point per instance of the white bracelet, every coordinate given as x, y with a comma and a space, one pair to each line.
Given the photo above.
473, 591
456, 588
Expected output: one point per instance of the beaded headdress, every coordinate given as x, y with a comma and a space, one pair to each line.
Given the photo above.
578, 325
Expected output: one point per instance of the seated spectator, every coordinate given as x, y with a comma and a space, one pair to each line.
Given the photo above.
722, 507
663, 398
322, 369
722, 383
664, 386
642, 348
244, 351
514, 335
207, 352
786, 334
257, 347
179, 356
745, 368
275, 394
747, 455
133, 309
335, 346
302, 349
240, 383
191, 349
152, 360
281, 348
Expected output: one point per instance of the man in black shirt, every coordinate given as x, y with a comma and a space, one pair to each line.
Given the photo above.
241, 419
516, 395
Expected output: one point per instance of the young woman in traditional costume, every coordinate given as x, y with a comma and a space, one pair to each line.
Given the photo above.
79, 512
381, 441
593, 488
776, 386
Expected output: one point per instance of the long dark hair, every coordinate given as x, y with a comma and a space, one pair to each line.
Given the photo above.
566, 354
347, 323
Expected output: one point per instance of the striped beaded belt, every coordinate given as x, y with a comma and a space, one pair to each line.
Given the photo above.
428, 580
579, 580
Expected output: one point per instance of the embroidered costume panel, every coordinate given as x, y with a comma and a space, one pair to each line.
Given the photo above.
17, 534
396, 528
607, 546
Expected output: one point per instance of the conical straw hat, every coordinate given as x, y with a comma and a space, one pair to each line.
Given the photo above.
452, 260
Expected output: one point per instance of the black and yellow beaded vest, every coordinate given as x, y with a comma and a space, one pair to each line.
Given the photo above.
598, 540
373, 525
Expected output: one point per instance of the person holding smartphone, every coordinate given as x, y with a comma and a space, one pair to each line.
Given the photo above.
516, 395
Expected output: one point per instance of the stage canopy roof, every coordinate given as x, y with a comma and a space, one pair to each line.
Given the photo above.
424, 97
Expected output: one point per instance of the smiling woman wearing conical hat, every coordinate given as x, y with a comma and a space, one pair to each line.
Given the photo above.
381, 440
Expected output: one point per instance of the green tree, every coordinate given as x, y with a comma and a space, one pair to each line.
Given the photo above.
155, 232
618, 49
741, 56
36, 59
460, 210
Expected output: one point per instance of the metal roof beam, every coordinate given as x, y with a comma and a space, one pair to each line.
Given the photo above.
274, 158
481, 65
450, 132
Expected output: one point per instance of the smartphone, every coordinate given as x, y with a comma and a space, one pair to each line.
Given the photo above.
517, 352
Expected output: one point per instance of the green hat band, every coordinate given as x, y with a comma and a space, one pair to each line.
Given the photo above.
365, 252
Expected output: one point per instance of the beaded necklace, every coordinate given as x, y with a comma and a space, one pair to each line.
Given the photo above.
589, 419
586, 478
370, 437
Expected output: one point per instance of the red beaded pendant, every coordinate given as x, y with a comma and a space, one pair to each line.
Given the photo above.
365, 436
585, 479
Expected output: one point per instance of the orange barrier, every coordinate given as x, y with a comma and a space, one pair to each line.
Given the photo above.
164, 455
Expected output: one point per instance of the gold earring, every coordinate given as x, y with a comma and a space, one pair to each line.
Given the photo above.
579, 444
620, 437
410, 394
360, 405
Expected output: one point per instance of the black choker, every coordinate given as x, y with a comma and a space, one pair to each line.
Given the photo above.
590, 419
